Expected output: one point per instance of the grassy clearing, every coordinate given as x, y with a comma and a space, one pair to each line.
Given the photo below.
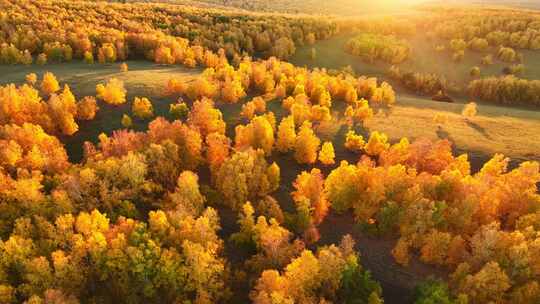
493, 130
423, 58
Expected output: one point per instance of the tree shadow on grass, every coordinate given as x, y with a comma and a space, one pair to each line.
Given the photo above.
478, 128
443, 134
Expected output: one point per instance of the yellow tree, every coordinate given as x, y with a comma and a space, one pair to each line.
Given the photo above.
286, 136
327, 155
126, 121
306, 145
113, 92
64, 109
354, 142
31, 79
142, 108
217, 151
49, 84
206, 117
87, 108
469, 111
232, 91
377, 143
257, 134
310, 186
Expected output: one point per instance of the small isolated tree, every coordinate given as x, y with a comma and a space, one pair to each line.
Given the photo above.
142, 108
306, 145
487, 60
123, 67
327, 155
87, 108
49, 84
31, 79
126, 121
440, 118
179, 110
469, 111
475, 71
354, 142
458, 56
113, 92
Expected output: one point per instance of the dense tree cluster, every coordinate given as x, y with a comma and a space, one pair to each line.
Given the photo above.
375, 46
481, 28
446, 215
334, 275
506, 90
164, 33
422, 83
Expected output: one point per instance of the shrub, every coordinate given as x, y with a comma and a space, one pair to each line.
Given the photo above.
475, 71
142, 108
507, 54
458, 56
354, 142
123, 67
31, 79
469, 111
478, 44
113, 92
126, 121
179, 110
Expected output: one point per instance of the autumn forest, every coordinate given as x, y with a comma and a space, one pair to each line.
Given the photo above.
269, 152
